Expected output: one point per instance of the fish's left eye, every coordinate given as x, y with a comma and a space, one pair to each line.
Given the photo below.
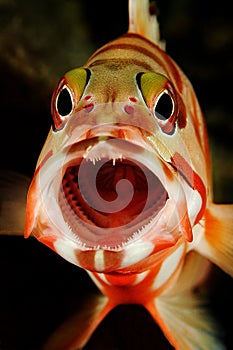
64, 102
164, 106
67, 95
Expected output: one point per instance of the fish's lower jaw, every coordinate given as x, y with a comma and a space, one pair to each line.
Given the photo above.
153, 238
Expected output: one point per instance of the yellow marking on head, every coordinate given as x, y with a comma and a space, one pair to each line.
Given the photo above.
77, 80
152, 84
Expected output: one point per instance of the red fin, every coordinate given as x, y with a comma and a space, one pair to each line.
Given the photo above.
217, 242
74, 333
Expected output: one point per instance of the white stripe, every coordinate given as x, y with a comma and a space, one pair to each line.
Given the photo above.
140, 277
66, 248
99, 260
168, 267
136, 252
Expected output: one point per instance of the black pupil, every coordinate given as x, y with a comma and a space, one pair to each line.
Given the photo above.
64, 103
164, 107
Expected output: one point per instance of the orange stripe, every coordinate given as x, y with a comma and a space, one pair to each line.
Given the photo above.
167, 63
124, 62
125, 46
147, 48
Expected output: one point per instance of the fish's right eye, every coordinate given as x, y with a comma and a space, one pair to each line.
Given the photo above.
164, 106
64, 102
160, 98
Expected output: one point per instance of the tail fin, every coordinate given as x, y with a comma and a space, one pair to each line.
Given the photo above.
143, 21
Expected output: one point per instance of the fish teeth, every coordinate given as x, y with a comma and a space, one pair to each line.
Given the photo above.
87, 151
120, 157
94, 160
102, 150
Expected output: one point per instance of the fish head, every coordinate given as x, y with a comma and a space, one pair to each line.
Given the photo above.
114, 183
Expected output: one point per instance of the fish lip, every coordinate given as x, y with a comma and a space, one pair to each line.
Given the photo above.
107, 154
101, 148
50, 180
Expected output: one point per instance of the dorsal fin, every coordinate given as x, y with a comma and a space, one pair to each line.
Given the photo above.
143, 21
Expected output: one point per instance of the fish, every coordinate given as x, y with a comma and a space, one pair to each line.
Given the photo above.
123, 189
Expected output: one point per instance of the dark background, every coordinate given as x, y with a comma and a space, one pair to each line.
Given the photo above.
39, 41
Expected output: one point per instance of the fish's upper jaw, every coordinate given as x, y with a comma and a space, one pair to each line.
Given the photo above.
108, 194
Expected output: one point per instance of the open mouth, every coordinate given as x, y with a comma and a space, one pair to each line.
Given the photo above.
108, 201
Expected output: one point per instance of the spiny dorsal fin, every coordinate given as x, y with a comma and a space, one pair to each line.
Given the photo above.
143, 21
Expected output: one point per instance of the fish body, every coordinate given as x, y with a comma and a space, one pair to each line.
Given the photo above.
122, 187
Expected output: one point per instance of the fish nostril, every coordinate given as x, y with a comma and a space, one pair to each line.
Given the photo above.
129, 109
89, 107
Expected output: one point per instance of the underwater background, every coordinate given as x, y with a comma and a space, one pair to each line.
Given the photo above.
39, 42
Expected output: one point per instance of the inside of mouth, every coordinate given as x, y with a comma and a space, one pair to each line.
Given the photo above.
89, 195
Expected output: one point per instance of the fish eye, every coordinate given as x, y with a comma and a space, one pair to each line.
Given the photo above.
64, 102
164, 106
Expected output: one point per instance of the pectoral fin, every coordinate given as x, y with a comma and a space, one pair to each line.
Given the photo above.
217, 242
74, 333
185, 322
13, 194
